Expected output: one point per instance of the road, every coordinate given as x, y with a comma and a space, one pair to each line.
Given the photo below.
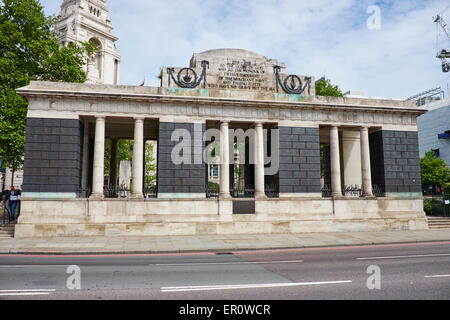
406, 271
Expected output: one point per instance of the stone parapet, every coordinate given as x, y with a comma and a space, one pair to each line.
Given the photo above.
81, 217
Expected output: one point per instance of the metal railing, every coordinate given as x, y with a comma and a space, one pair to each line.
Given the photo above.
245, 192
83, 193
272, 191
212, 192
6, 214
378, 191
150, 192
119, 192
353, 191
326, 192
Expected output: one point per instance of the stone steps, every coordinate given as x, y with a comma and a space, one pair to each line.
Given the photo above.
439, 223
6, 231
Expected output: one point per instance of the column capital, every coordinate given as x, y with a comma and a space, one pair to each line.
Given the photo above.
100, 118
258, 124
225, 123
138, 119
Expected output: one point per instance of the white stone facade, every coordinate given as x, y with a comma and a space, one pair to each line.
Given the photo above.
84, 115
88, 21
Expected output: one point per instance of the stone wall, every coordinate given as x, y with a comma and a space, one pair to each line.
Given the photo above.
52, 155
299, 160
180, 178
395, 161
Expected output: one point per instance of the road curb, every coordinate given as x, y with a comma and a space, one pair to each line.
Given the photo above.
202, 251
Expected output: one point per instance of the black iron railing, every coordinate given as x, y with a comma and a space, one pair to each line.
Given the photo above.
326, 191
212, 191
150, 192
378, 191
117, 192
352, 191
272, 191
245, 192
83, 193
6, 214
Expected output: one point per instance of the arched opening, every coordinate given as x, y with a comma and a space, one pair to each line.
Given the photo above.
95, 61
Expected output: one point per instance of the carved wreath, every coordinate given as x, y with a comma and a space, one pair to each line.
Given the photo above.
292, 84
187, 77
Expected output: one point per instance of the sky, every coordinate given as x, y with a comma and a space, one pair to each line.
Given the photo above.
390, 57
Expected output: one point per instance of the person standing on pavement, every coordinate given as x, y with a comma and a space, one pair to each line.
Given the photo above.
13, 200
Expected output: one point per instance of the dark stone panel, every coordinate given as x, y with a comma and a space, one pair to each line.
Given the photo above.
394, 156
244, 207
299, 159
180, 178
46, 154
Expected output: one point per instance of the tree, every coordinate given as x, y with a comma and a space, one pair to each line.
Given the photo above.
150, 166
434, 171
29, 51
125, 152
324, 87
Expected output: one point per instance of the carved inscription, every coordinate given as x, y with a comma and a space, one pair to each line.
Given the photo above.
242, 75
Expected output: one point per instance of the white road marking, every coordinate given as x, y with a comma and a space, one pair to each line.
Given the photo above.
24, 292
438, 276
28, 290
249, 286
410, 256
33, 266
223, 263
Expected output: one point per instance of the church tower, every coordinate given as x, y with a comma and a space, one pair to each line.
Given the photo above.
88, 21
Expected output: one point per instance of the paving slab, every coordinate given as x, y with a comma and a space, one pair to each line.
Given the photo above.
154, 244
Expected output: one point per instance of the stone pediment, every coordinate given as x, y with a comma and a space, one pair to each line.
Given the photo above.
237, 70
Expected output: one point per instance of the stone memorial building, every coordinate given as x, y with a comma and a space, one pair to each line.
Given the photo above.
289, 161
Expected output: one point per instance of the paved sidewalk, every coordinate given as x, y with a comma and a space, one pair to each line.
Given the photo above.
145, 244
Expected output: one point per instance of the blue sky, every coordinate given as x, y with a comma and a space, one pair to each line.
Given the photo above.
321, 37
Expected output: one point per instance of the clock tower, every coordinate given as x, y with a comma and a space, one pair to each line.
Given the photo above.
88, 21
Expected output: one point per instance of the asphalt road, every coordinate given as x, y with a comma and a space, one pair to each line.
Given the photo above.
402, 271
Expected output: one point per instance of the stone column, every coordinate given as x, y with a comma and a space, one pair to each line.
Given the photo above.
259, 161
138, 159
365, 163
113, 163
335, 162
85, 165
99, 159
224, 161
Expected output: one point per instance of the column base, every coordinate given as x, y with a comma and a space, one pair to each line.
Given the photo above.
225, 196
260, 195
97, 196
137, 196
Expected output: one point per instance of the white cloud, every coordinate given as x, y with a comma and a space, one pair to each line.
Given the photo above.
312, 37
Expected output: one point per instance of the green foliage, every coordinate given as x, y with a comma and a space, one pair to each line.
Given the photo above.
29, 51
150, 166
213, 185
125, 152
447, 188
324, 87
434, 171
428, 206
